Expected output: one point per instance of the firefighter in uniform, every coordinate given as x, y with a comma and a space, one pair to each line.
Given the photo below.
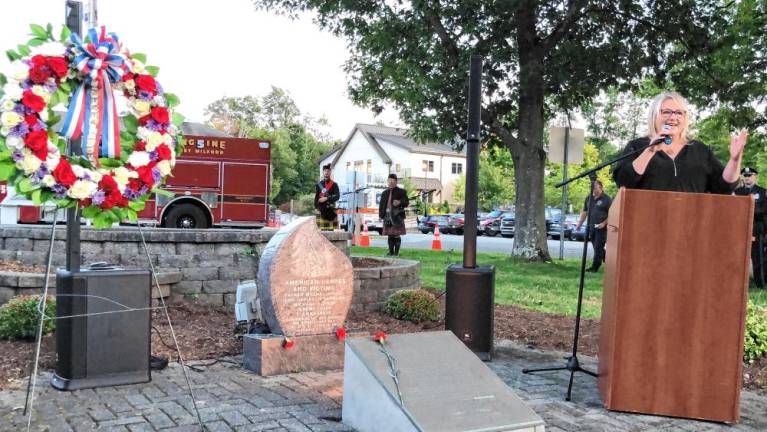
326, 194
760, 224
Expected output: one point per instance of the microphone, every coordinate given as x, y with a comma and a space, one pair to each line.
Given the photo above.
665, 138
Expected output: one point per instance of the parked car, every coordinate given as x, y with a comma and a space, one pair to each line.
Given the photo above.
491, 224
507, 225
455, 223
554, 223
578, 234
426, 224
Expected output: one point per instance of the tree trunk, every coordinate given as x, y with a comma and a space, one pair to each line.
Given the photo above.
527, 151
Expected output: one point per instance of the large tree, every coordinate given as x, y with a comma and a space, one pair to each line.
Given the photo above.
539, 57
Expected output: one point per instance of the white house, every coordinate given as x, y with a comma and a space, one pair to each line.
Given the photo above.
371, 152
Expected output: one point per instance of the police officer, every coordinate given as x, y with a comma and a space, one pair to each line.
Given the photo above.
760, 226
598, 231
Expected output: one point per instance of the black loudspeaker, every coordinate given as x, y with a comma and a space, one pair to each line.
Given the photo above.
104, 343
469, 307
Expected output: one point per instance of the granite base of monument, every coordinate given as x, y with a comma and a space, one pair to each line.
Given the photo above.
265, 355
444, 388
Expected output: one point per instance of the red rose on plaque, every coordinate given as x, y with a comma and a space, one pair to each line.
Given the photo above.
146, 83
64, 173
32, 101
160, 115
341, 333
288, 343
379, 337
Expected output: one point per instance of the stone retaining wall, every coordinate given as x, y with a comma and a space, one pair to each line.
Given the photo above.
372, 285
211, 262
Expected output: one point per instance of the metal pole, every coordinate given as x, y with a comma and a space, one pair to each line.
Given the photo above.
74, 18
472, 163
564, 199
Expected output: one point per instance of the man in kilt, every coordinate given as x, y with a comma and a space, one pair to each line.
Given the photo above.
326, 194
391, 210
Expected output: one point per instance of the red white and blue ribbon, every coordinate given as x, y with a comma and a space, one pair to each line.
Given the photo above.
93, 103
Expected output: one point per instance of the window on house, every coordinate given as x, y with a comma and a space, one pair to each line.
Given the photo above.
397, 168
348, 166
428, 166
370, 170
457, 168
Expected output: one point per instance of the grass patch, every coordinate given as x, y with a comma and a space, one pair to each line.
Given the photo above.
544, 287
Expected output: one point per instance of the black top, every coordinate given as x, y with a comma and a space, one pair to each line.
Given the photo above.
760, 206
396, 194
695, 169
601, 208
327, 208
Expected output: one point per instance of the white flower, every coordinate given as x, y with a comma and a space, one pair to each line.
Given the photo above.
14, 142
52, 161
158, 101
94, 175
138, 159
168, 139
8, 104
153, 140
4, 130
44, 115
10, 119
130, 84
122, 176
13, 91
82, 189
30, 163
141, 107
78, 170
19, 70
42, 92
143, 132
53, 49
48, 180
138, 67
164, 167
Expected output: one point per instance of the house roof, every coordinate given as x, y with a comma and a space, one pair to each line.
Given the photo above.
199, 129
329, 152
397, 137
423, 183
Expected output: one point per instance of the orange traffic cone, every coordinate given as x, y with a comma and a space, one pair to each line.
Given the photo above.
364, 239
436, 244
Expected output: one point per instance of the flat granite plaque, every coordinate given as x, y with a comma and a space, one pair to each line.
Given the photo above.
444, 386
305, 284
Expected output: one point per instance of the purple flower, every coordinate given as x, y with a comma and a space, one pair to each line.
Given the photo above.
156, 176
19, 130
155, 126
98, 197
145, 95
60, 191
153, 155
17, 156
131, 194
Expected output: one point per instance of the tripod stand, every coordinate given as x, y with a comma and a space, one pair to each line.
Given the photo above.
573, 365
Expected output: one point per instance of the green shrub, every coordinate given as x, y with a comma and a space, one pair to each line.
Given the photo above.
19, 317
412, 305
756, 333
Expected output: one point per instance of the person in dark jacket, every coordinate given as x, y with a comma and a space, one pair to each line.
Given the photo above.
597, 232
685, 165
326, 194
760, 224
391, 210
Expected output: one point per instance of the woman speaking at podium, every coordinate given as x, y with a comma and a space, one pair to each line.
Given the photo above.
675, 162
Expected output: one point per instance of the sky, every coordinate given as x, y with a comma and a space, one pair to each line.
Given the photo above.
206, 50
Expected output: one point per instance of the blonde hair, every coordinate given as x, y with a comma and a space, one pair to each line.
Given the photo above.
654, 112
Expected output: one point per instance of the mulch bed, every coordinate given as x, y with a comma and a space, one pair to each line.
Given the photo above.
206, 332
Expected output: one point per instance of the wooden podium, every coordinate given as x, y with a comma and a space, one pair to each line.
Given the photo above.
674, 304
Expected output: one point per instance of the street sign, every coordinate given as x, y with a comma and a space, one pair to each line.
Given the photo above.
574, 145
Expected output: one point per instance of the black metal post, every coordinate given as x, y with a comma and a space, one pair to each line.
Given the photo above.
73, 15
472, 164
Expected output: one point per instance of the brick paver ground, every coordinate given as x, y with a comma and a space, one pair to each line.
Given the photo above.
232, 399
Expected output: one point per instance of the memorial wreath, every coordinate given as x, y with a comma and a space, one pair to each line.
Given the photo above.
115, 167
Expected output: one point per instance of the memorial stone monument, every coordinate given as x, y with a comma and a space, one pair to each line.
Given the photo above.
305, 288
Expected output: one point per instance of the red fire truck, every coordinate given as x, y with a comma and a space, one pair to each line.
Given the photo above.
217, 181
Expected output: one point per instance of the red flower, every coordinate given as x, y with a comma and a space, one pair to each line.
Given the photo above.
288, 343
146, 83
31, 119
39, 74
142, 121
341, 333
107, 184
379, 337
140, 146
58, 65
87, 202
134, 184
163, 152
32, 101
38, 60
128, 76
37, 141
160, 115
114, 198
64, 174
145, 175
